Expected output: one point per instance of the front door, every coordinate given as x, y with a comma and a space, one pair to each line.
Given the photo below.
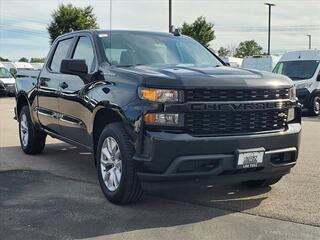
48, 91
73, 101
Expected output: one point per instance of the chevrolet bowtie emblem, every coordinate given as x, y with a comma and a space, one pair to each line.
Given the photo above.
282, 115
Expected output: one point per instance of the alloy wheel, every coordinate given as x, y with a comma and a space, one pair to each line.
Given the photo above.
111, 164
316, 105
24, 130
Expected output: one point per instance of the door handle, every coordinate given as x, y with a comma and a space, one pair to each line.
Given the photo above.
64, 85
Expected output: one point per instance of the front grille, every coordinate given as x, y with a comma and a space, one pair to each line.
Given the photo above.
208, 95
230, 123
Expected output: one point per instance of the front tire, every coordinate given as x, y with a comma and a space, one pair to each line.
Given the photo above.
32, 140
314, 108
115, 167
262, 183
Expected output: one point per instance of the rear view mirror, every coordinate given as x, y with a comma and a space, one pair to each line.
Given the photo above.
74, 67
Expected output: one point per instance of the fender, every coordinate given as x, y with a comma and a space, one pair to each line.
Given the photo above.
315, 92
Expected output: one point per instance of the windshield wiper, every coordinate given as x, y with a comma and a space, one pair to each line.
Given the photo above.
297, 78
130, 65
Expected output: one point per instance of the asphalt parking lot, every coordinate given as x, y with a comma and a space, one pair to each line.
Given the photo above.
56, 196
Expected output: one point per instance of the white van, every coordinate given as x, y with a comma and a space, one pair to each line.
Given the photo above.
37, 66
233, 61
7, 81
23, 66
303, 67
261, 62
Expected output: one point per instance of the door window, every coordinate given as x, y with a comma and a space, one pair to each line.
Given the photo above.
60, 53
84, 50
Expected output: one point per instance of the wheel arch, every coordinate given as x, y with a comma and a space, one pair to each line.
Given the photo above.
103, 116
22, 100
315, 92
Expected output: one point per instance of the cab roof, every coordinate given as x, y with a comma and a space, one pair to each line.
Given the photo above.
301, 55
106, 31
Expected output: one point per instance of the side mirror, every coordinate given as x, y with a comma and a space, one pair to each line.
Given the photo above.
13, 72
318, 78
74, 67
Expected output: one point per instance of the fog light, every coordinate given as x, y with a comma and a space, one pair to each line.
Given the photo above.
169, 119
291, 114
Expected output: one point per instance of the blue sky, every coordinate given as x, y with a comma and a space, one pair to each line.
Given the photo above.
23, 23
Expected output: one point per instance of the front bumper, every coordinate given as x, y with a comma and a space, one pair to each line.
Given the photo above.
7, 88
170, 156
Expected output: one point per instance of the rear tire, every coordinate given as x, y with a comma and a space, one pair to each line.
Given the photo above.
262, 183
115, 167
314, 108
32, 140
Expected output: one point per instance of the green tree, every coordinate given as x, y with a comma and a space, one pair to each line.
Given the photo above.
223, 52
248, 48
23, 59
200, 30
68, 18
4, 59
37, 60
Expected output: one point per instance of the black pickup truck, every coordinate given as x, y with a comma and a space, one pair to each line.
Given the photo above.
159, 107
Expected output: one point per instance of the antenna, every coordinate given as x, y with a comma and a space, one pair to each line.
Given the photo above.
110, 15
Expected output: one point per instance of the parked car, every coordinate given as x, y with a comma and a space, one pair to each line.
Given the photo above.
8, 65
27, 73
260, 62
304, 69
23, 66
159, 107
7, 81
233, 61
37, 66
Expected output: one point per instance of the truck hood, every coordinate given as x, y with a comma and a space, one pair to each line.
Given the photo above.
209, 77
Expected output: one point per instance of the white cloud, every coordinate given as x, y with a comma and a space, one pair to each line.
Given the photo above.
32, 26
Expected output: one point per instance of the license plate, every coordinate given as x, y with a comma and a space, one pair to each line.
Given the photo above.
250, 159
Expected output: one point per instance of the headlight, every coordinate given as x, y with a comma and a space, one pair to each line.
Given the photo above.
304, 85
159, 95
167, 119
293, 94
291, 114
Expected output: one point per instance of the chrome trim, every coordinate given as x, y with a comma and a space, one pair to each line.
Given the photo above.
78, 123
233, 102
291, 149
45, 114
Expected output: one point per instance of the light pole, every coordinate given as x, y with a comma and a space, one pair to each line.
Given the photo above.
170, 15
269, 25
309, 36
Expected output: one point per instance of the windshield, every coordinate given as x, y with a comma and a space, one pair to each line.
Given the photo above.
297, 70
130, 49
4, 73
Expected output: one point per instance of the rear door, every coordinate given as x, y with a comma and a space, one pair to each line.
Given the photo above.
49, 81
73, 101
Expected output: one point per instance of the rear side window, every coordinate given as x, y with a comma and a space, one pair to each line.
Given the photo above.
84, 50
60, 53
